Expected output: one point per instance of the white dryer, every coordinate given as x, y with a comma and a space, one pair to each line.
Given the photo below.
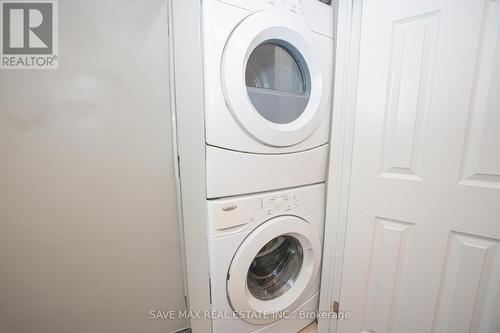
267, 85
265, 257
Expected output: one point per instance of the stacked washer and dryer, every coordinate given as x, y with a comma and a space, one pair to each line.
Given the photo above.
267, 72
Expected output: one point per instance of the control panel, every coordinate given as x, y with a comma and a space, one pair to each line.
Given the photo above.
278, 204
318, 15
237, 214
294, 6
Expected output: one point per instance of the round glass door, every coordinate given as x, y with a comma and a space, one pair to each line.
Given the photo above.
275, 268
278, 81
272, 79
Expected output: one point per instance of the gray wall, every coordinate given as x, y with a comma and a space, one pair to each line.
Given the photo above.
88, 233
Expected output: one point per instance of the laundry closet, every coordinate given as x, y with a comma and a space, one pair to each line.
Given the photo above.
356, 144
253, 100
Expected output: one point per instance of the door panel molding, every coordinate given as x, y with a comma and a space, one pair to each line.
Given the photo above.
410, 83
481, 161
389, 257
468, 295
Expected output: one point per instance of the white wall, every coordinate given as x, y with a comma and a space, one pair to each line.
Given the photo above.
88, 231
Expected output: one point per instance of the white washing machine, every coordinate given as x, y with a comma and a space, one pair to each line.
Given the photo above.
267, 85
265, 257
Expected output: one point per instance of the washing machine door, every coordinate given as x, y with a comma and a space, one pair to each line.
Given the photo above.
272, 78
273, 270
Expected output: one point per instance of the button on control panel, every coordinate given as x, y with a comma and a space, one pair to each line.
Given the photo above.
276, 204
294, 6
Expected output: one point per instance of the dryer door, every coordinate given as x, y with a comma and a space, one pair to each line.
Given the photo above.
272, 78
273, 269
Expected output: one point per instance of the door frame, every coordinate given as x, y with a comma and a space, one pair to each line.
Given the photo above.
188, 123
348, 35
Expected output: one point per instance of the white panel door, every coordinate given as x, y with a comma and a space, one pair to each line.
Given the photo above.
423, 232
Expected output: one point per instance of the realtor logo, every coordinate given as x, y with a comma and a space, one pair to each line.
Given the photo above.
29, 38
